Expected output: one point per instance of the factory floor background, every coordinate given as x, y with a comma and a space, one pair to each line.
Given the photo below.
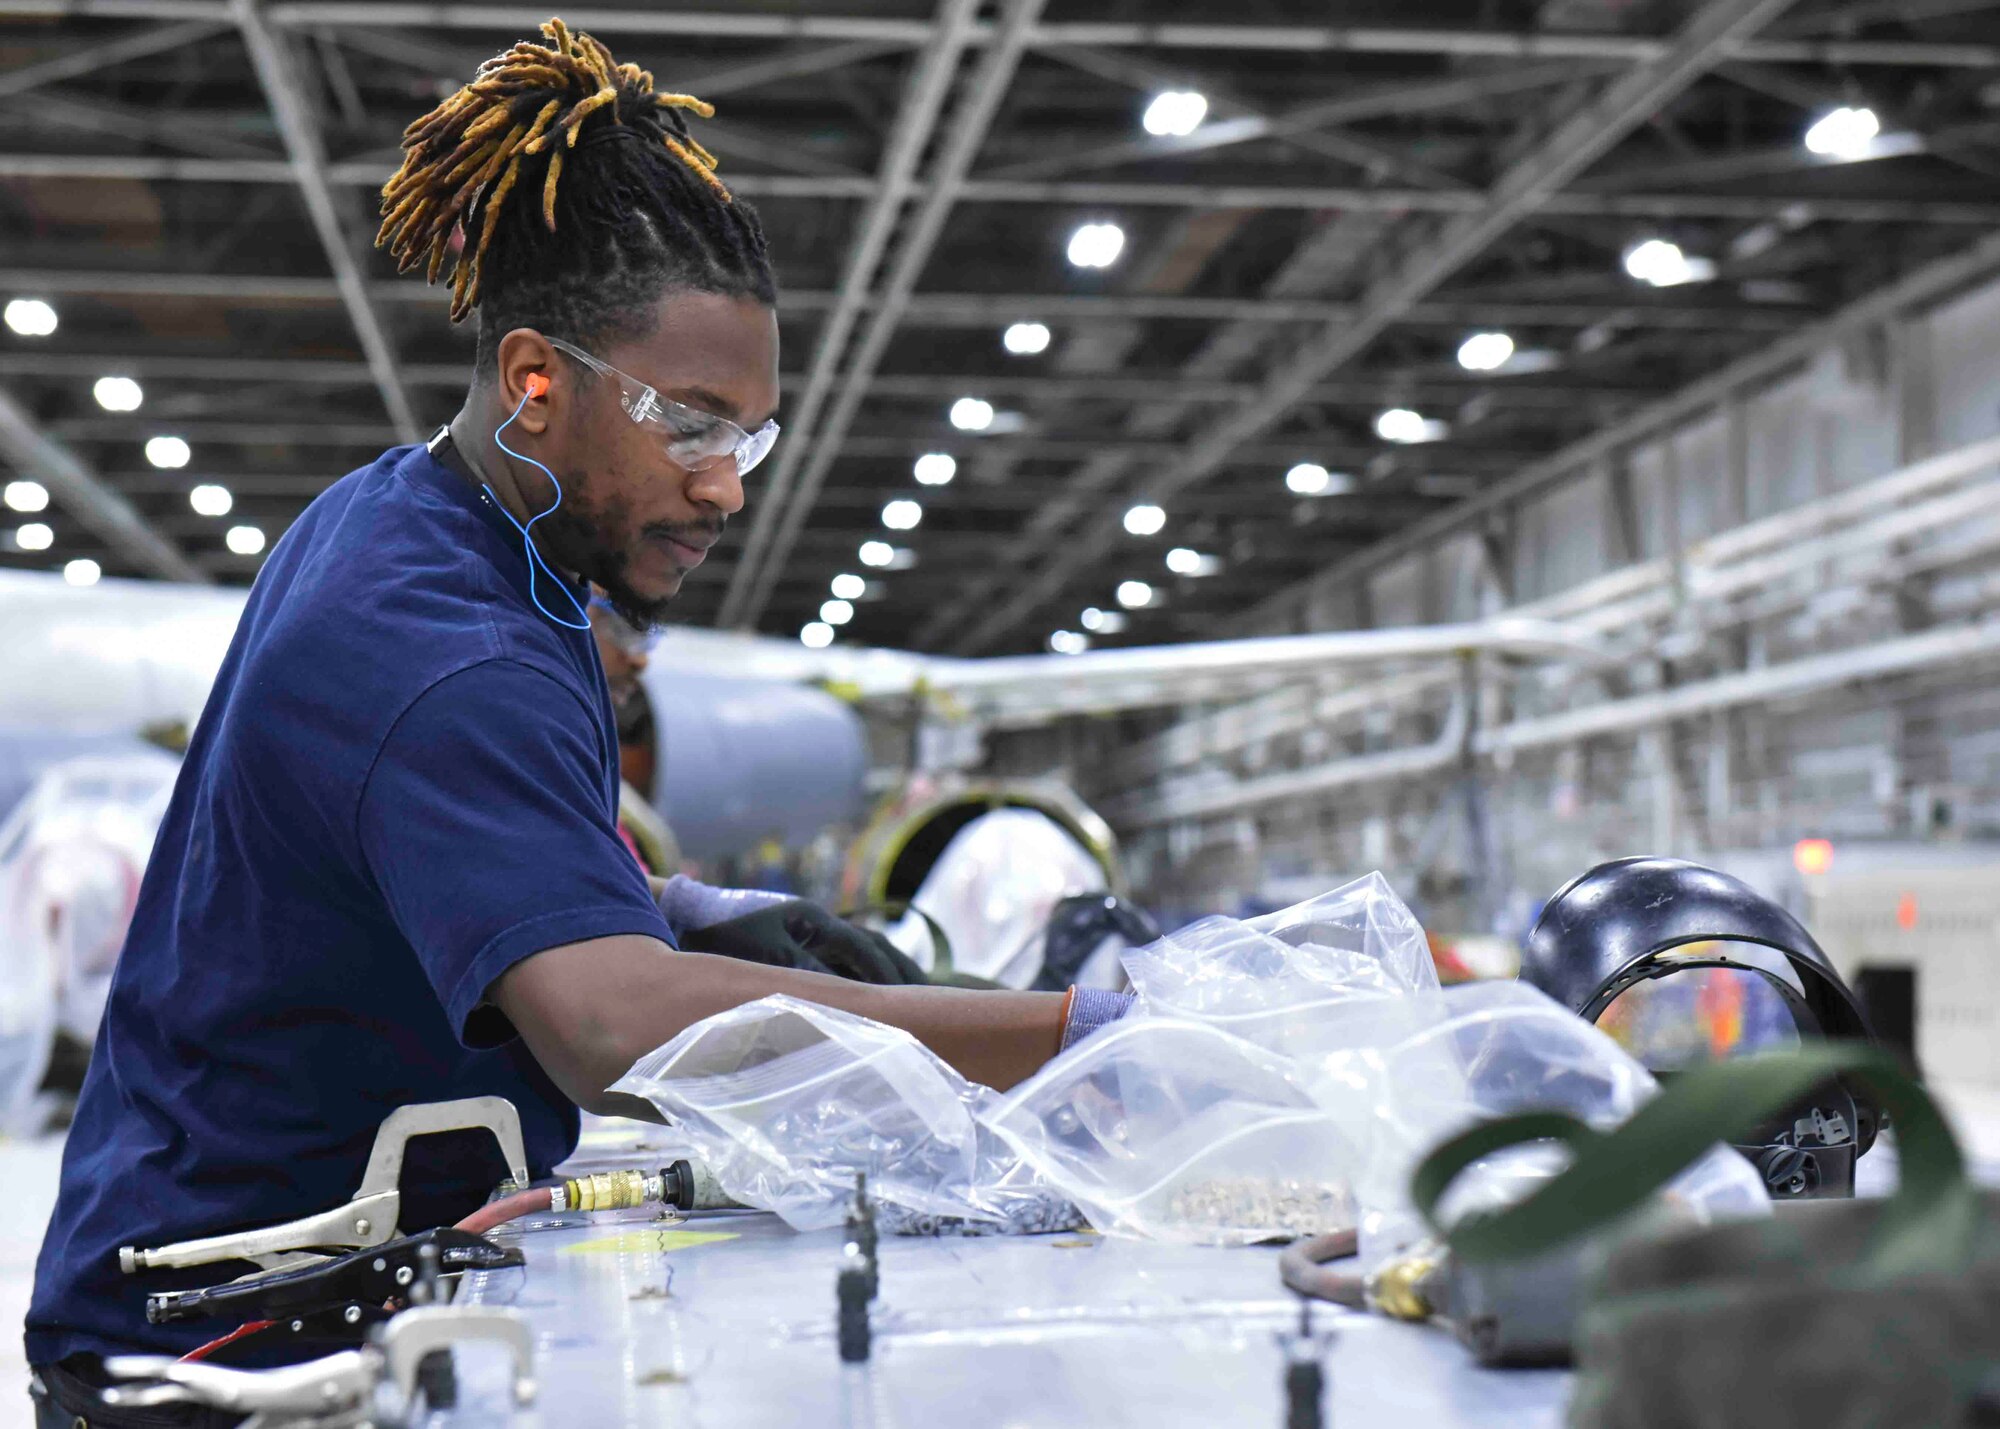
29, 1171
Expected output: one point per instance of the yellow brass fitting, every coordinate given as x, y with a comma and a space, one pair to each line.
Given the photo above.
606, 1191
1397, 1289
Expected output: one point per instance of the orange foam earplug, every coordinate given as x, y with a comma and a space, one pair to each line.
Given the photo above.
538, 385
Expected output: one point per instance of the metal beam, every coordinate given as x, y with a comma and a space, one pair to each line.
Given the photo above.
1927, 285
1388, 100
970, 120
793, 63
752, 24
1314, 132
945, 309
1323, 39
91, 59
1731, 207
101, 116
1715, 30
285, 93
1372, 389
892, 445
108, 516
916, 121
1323, 261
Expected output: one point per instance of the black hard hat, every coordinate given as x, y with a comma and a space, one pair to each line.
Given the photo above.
1611, 929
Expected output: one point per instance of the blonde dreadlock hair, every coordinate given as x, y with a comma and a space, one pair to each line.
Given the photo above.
580, 193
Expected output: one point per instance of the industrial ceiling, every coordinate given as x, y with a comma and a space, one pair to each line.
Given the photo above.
1625, 190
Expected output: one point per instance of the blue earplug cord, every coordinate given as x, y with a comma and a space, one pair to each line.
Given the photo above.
535, 560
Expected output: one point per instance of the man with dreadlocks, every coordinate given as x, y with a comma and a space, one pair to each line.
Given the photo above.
390, 872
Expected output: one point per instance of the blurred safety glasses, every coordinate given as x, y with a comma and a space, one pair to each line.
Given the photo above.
692, 437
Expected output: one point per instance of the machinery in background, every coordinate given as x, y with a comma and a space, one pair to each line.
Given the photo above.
72, 852
742, 758
987, 866
1918, 934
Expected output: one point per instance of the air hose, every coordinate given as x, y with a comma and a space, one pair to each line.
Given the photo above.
683, 1185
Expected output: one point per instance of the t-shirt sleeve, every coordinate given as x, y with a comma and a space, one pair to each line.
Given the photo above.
485, 825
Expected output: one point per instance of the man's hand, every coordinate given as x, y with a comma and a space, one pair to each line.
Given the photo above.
777, 931
797, 934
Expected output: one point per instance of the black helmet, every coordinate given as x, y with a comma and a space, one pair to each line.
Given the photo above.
1609, 929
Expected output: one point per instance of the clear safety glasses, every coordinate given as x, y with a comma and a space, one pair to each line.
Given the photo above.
692, 437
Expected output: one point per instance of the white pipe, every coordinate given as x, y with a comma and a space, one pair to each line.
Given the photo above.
1441, 753
1776, 682
1717, 567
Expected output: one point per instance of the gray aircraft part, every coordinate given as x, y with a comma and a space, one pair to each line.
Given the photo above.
741, 761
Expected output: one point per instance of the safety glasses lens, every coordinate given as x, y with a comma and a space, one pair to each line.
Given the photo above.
755, 448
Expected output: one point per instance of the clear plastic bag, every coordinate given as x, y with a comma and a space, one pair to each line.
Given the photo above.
1309, 1064
1270, 979
1174, 1130
1404, 1074
788, 1101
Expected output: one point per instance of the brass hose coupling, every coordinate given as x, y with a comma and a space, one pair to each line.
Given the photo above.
1400, 1288
609, 1191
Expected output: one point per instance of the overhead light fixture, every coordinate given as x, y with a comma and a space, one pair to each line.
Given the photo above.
35, 536
1134, 595
1102, 622
29, 317
1025, 339
245, 540
877, 553
935, 469
971, 414
1176, 113
1308, 478
1400, 424
1068, 642
1145, 519
836, 612
167, 452
1096, 245
1485, 351
209, 499
82, 572
816, 635
902, 514
26, 496
849, 587
1186, 561
118, 394
1845, 133
1661, 263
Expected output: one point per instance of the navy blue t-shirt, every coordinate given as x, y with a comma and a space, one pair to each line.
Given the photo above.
405, 781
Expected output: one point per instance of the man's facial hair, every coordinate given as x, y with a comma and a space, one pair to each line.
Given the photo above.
574, 537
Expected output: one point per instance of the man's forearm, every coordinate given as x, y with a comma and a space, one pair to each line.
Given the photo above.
589, 1010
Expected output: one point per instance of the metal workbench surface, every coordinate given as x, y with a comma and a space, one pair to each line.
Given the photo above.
728, 1319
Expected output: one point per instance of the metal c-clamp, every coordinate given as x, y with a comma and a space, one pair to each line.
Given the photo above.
373, 1385
370, 1218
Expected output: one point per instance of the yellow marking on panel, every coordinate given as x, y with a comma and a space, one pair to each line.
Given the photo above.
643, 1241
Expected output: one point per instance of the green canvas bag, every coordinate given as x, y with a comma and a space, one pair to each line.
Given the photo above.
1828, 1314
